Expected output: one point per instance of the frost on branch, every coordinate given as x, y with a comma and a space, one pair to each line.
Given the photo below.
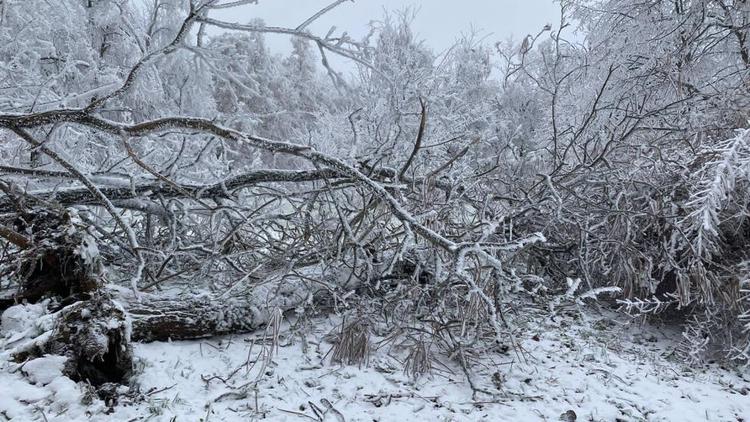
721, 182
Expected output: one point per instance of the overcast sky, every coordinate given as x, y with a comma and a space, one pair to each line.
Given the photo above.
439, 22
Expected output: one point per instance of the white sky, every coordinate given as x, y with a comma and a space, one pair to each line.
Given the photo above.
438, 22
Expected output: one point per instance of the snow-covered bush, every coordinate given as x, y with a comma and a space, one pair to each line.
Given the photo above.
640, 175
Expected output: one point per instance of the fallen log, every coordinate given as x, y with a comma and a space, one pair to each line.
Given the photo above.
187, 319
157, 318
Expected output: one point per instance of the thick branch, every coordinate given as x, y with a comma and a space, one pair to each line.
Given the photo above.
14, 237
83, 196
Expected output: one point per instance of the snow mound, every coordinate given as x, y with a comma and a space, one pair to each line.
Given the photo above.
44, 370
21, 318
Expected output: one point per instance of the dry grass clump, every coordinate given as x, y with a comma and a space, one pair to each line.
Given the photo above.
353, 345
418, 361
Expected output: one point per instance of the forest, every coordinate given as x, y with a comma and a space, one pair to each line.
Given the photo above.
480, 216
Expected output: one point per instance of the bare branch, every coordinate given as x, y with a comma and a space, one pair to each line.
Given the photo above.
418, 142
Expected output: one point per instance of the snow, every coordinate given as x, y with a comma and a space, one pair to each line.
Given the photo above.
598, 369
569, 368
44, 370
66, 394
20, 318
601, 367
88, 250
21, 392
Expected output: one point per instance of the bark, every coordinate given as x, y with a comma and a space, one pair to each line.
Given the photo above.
14, 237
185, 319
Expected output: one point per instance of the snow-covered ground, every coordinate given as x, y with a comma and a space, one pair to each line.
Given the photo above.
586, 370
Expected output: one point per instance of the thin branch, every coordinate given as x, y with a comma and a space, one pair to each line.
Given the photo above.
232, 4
288, 31
135, 70
418, 142
320, 13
